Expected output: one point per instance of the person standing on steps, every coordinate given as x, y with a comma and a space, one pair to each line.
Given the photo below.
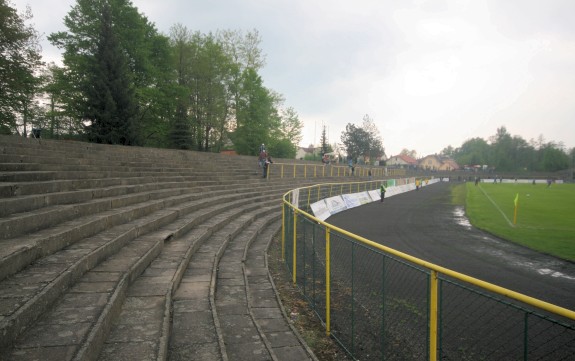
262, 157
267, 163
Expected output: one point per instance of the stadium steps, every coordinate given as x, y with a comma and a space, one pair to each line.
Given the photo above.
170, 280
79, 245
264, 304
87, 230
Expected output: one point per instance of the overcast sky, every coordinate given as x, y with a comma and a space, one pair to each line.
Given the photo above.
430, 73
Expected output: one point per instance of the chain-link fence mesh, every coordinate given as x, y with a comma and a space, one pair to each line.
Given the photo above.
477, 325
379, 305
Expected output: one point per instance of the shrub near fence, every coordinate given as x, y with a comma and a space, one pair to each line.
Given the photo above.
381, 304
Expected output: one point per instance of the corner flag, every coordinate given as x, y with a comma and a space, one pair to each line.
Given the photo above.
516, 199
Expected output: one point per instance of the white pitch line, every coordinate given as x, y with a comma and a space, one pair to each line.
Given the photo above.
496, 206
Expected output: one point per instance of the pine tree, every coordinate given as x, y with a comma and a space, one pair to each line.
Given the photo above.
111, 100
325, 147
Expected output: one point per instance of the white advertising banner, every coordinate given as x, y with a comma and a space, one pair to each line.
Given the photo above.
295, 198
330, 206
364, 198
335, 204
320, 210
351, 200
375, 195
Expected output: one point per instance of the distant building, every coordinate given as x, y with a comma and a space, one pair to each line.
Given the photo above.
449, 164
401, 161
435, 162
303, 151
366, 159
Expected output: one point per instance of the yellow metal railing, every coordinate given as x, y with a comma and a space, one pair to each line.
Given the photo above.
434, 271
304, 170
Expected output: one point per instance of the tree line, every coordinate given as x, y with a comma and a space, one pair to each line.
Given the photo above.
505, 152
122, 82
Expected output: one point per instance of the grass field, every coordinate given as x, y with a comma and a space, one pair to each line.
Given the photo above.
545, 216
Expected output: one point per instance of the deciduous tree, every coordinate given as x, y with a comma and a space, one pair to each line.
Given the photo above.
255, 115
19, 60
363, 141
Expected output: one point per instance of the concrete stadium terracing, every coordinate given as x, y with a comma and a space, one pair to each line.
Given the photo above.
127, 253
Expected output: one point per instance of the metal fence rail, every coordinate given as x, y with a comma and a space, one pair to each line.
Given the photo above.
381, 304
304, 170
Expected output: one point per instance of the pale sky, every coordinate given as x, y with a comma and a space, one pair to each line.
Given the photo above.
429, 73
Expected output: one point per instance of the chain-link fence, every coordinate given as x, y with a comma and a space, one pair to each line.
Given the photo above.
382, 305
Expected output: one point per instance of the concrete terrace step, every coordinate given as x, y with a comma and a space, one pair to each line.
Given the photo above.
31, 221
32, 202
70, 195
50, 161
264, 304
29, 214
39, 176
17, 252
83, 152
196, 299
149, 168
14, 324
43, 158
11, 145
64, 162
253, 326
143, 332
211, 162
8, 190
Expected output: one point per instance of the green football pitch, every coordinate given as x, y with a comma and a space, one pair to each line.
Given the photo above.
544, 218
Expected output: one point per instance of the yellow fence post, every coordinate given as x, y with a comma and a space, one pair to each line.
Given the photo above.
327, 282
433, 310
282, 170
294, 170
294, 261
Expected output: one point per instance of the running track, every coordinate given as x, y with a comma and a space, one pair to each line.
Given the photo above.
426, 225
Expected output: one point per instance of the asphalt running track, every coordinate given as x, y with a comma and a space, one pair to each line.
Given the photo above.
426, 225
